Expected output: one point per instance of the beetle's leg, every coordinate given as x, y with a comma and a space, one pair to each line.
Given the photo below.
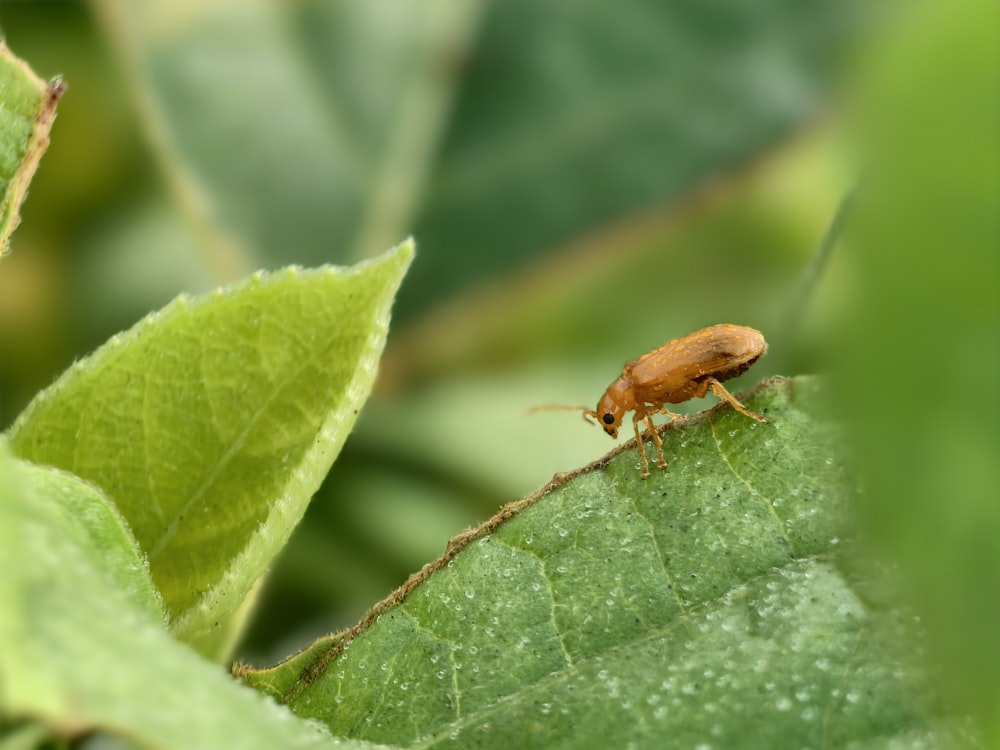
721, 392
642, 450
657, 440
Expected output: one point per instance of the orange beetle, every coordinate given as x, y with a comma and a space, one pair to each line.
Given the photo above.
679, 370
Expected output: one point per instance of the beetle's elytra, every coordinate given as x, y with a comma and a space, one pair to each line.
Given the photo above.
681, 369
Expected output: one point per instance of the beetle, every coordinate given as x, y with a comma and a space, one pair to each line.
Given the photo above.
687, 367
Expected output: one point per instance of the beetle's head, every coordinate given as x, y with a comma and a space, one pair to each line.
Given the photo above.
615, 402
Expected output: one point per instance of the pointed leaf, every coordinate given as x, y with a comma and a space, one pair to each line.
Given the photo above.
211, 423
703, 605
27, 111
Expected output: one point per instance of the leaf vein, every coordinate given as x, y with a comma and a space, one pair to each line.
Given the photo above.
768, 504
659, 554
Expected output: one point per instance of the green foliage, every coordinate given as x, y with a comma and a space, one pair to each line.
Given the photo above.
704, 604
586, 101
552, 159
211, 423
921, 363
83, 646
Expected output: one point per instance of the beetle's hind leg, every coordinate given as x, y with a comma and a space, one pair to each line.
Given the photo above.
722, 393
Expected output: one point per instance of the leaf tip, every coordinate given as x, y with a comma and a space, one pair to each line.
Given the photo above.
407, 248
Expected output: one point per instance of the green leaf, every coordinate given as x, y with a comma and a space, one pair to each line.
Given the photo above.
211, 423
308, 126
703, 605
82, 650
574, 117
928, 229
91, 521
27, 111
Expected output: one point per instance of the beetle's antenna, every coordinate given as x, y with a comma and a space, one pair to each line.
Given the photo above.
588, 413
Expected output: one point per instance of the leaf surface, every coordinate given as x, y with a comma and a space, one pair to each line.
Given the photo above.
83, 646
211, 423
704, 605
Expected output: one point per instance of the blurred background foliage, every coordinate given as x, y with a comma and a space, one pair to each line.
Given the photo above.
584, 180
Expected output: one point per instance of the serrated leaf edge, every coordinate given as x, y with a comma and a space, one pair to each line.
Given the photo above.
226, 594
462, 540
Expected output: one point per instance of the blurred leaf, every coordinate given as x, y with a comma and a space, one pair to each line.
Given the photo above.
927, 235
27, 111
79, 653
574, 115
302, 129
701, 605
22, 736
211, 423
731, 254
314, 125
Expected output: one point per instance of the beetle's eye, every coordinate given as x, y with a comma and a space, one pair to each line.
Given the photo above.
608, 418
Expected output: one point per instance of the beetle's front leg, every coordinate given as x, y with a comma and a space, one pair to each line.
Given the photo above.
642, 450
